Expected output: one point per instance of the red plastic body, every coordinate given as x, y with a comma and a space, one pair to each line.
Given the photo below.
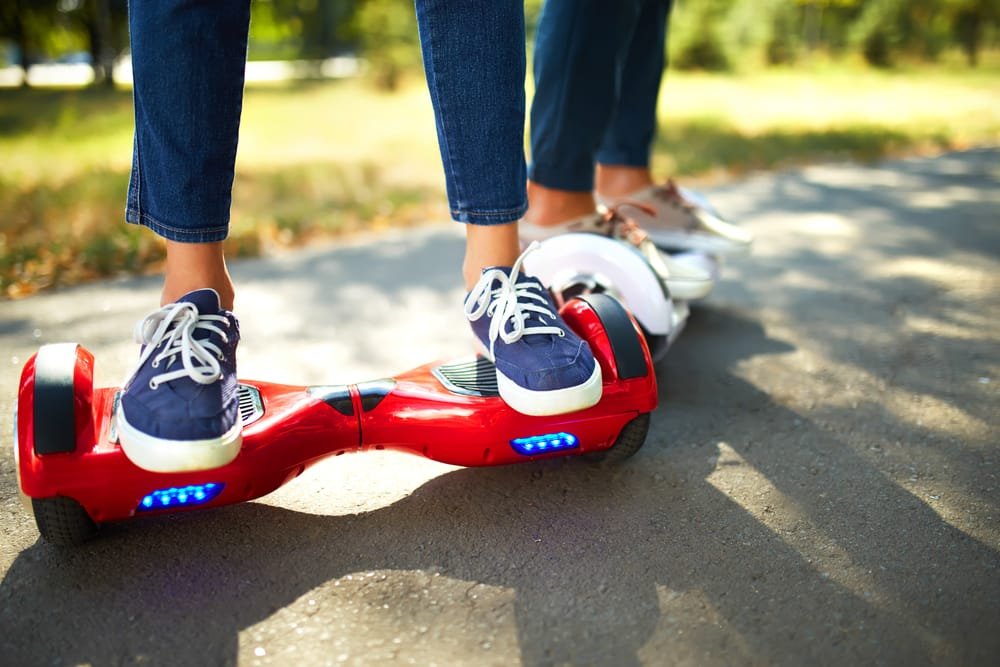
298, 428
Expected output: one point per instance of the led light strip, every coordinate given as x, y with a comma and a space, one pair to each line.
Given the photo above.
180, 496
543, 444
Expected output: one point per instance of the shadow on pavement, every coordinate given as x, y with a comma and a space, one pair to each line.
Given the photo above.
818, 485
592, 557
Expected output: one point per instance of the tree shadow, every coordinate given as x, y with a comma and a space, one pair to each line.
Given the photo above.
603, 566
47, 111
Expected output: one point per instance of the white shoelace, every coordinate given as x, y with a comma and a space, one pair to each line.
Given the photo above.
177, 323
509, 303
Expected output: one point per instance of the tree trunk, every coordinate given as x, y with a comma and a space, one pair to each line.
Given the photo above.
968, 26
21, 40
102, 54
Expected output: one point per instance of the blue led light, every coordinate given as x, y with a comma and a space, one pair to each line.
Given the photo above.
180, 496
549, 442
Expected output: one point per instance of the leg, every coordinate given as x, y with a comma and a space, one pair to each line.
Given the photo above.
488, 245
188, 64
474, 58
673, 220
597, 72
623, 155
194, 266
579, 51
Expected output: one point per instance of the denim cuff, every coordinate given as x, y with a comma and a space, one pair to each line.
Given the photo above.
577, 177
622, 158
206, 235
489, 216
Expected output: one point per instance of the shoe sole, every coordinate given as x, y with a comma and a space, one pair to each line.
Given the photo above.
689, 290
712, 245
163, 455
687, 287
543, 403
552, 402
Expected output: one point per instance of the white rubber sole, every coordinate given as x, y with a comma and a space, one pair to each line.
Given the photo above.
689, 290
554, 402
684, 279
713, 245
162, 455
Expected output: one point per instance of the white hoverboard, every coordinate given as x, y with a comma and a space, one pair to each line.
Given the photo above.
573, 264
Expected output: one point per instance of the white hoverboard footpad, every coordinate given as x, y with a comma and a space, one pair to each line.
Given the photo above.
617, 267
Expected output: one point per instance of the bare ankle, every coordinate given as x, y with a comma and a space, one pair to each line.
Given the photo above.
549, 206
172, 292
620, 180
488, 245
193, 266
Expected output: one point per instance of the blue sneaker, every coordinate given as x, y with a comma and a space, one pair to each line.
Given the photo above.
179, 410
543, 367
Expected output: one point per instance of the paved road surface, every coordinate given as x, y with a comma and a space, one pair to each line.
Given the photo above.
820, 484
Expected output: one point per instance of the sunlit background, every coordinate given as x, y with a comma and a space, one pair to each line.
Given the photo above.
338, 135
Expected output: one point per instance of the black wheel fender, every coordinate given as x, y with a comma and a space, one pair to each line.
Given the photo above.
625, 341
54, 403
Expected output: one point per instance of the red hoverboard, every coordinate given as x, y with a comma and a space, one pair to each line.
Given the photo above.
76, 476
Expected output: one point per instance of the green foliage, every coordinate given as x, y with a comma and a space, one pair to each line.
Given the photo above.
768, 29
274, 35
25, 24
387, 30
887, 29
43, 29
305, 28
705, 34
697, 40
716, 34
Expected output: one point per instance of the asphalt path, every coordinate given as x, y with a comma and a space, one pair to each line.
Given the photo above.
819, 485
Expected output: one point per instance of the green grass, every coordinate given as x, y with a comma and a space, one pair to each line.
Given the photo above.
321, 159
781, 117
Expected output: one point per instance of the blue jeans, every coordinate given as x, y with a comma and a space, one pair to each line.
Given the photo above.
188, 62
598, 66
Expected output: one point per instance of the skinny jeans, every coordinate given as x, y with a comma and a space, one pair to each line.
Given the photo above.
189, 62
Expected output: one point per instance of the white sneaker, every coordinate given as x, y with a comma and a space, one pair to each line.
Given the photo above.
684, 280
677, 219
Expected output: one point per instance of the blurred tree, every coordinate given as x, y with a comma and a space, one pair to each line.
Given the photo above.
705, 34
777, 31
387, 30
784, 41
307, 29
923, 28
105, 22
44, 28
971, 20
25, 23
697, 40
274, 33
826, 23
